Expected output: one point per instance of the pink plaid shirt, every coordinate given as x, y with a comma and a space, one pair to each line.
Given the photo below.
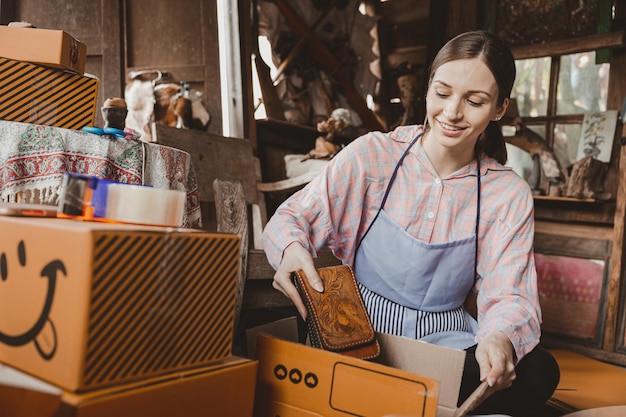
338, 206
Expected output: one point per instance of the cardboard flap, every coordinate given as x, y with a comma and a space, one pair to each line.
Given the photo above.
285, 329
432, 361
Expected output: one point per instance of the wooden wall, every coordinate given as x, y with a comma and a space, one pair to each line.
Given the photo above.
122, 35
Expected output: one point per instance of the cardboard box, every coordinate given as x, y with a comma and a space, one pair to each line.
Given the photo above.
587, 383
85, 305
225, 389
31, 93
54, 48
412, 378
613, 411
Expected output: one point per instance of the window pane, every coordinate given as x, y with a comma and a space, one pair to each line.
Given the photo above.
582, 84
566, 138
531, 86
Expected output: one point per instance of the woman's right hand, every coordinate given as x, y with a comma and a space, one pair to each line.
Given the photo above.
295, 258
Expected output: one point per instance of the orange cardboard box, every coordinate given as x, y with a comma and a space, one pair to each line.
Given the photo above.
410, 378
611, 411
54, 48
588, 384
86, 305
225, 389
31, 93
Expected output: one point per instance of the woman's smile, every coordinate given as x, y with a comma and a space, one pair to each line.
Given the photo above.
450, 130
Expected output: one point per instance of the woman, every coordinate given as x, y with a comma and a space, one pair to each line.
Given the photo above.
427, 215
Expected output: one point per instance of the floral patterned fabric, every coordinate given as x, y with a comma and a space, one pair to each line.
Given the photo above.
33, 159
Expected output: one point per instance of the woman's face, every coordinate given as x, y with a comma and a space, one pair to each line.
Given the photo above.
461, 100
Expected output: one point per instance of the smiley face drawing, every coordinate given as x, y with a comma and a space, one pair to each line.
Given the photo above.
42, 331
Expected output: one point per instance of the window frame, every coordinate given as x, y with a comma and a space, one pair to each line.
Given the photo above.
554, 51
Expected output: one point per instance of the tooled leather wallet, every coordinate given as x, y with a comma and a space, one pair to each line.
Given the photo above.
336, 318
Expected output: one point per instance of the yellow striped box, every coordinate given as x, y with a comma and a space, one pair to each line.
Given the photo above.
87, 305
31, 93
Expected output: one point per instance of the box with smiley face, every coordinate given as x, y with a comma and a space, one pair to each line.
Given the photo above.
87, 305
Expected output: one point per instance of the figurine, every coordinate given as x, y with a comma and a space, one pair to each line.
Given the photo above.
325, 146
114, 113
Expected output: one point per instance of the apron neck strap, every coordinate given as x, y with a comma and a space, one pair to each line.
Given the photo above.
477, 217
395, 170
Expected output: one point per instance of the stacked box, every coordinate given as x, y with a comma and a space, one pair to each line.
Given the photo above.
87, 305
31, 93
53, 48
225, 389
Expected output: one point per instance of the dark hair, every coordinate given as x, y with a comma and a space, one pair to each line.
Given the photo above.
499, 59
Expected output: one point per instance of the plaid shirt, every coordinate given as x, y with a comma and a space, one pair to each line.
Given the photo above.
337, 208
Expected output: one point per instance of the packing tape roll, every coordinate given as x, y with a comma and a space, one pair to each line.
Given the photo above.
145, 205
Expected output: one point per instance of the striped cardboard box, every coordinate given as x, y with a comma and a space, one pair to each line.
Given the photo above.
31, 93
89, 305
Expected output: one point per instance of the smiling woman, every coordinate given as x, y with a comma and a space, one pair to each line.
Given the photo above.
427, 215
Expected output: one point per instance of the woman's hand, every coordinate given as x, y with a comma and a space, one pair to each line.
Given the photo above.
295, 257
495, 359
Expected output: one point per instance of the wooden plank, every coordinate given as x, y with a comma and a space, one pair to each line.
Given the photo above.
574, 230
579, 247
565, 211
112, 81
79, 18
617, 266
570, 46
232, 217
212, 157
614, 325
213, 86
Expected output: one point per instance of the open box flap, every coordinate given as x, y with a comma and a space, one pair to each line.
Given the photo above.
421, 358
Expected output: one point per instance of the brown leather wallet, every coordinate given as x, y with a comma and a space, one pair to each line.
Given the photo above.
336, 318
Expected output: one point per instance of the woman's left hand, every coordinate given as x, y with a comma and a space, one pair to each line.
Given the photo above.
495, 358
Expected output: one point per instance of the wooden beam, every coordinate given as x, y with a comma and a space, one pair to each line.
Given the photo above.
113, 78
571, 46
613, 321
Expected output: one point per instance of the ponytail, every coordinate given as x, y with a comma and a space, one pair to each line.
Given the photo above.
491, 142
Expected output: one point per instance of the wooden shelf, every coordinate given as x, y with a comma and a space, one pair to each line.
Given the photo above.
566, 199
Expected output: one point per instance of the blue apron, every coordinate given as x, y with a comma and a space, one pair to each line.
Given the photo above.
416, 289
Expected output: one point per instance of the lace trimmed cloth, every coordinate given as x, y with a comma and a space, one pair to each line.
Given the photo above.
33, 159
